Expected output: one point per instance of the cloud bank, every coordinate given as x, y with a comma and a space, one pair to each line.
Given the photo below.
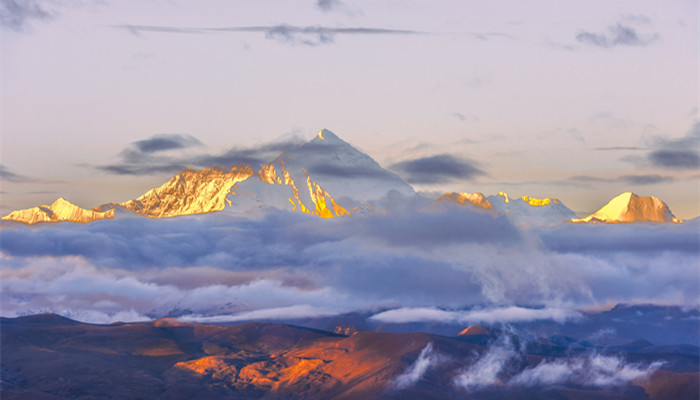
457, 265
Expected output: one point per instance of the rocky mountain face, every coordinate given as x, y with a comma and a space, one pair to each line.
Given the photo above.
188, 192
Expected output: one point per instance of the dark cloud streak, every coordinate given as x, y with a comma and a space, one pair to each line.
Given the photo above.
678, 154
288, 34
617, 35
437, 169
139, 158
166, 142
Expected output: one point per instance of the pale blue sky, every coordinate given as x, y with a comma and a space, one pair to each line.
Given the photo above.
577, 100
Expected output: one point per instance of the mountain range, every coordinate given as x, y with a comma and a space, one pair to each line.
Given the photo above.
327, 177
50, 357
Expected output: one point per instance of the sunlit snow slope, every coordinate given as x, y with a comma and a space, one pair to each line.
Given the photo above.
60, 210
628, 207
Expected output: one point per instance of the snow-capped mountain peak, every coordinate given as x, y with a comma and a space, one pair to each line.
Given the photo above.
629, 207
325, 134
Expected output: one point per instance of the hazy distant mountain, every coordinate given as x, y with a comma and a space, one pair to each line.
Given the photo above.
628, 207
59, 211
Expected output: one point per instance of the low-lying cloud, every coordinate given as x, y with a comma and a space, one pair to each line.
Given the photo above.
454, 266
498, 366
478, 316
426, 359
594, 370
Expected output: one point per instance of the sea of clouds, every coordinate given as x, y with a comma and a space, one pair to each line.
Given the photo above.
451, 265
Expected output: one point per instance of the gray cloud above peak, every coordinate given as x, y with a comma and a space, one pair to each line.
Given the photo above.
17, 14
617, 35
144, 157
9, 176
284, 33
167, 141
678, 154
437, 169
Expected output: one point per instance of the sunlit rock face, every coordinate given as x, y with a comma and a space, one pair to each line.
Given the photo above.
59, 211
528, 210
628, 207
189, 192
477, 200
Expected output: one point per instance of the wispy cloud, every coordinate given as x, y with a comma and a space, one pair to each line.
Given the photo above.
617, 35
619, 148
427, 359
9, 176
594, 370
498, 366
439, 168
16, 15
649, 179
634, 180
288, 34
331, 5
487, 369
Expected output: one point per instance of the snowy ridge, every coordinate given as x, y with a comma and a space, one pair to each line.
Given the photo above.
59, 211
188, 192
527, 210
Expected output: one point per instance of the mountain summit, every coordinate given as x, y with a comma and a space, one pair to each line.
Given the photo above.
628, 207
338, 167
